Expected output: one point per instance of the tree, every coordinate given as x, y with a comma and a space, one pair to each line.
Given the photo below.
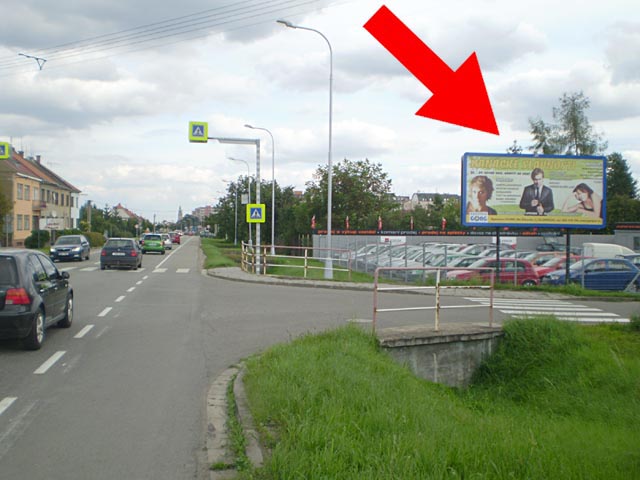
620, 181
572, 134
360, 190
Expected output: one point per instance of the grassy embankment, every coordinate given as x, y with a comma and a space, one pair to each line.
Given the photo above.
556, 400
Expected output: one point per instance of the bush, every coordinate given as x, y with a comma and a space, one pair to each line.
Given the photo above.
96, 239
37, 239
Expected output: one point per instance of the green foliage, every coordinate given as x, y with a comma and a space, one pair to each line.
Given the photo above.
572, 134
333, 406
37, 239
620, 181
218, 253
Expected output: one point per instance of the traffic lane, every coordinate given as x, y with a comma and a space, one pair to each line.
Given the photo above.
132, 407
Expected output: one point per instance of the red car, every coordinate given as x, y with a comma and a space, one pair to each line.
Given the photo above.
175, 237
512, 270
556, 263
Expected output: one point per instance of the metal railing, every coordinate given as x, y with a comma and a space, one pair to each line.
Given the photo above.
437, 287
269, 261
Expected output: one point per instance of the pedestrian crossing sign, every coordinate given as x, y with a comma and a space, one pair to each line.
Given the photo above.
256, 212
198, 132
4, 150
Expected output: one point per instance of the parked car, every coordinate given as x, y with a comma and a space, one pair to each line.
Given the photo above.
166, 241
512, 270
152, 242
121, 252
34, 295
70, 247
615, 274
555, 263
634, 258
175, 237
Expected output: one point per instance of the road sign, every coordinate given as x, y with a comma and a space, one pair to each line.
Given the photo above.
5, 149
256, 212
198, 132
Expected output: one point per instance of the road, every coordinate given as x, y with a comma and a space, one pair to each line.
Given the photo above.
121, 394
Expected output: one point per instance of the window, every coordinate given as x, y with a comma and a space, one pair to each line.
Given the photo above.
36, 269
27, 225
19, 191
35, 193
18, 222
619, 266
27, 192
49, 267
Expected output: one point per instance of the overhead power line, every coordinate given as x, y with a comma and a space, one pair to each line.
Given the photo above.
225, 18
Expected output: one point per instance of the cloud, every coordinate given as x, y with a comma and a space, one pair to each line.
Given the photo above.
623, 52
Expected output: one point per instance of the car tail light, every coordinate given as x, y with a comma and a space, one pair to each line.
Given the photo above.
17, 296
134, 253
103, 253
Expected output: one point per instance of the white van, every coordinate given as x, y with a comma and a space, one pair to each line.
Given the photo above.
604, 250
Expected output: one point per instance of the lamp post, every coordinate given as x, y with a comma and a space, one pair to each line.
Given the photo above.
273, 187
328, 273
235, 230
256, 142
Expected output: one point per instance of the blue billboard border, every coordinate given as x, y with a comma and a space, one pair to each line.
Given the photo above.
464, 182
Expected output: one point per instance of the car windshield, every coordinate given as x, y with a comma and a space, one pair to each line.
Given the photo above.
118, 243
8, 274
68, 241
152, 237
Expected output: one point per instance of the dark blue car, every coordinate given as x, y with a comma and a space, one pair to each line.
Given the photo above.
614, 274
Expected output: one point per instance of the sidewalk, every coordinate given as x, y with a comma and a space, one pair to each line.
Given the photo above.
238, 275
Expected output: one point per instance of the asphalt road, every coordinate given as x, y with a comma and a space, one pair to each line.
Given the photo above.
121, 394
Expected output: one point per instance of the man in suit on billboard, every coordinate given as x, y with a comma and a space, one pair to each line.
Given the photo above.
537, 199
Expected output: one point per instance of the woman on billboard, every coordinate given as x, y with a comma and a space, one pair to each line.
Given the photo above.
585, 201
480, 190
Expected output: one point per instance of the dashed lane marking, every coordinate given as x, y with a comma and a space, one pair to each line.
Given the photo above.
42, 369
84, 331
5, 403
105, 312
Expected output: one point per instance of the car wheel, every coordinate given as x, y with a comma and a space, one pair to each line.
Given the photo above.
68, 314
528, 283
163, 252
102, 267
34, 340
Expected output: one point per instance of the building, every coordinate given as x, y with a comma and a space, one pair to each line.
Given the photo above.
426, 200
40, 199
203, 212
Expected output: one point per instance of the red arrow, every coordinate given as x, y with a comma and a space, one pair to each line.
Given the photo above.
459, 97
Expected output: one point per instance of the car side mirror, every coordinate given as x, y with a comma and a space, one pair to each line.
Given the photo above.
65, 275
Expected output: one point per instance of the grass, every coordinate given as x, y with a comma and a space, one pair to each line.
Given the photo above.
556, 400
220, 253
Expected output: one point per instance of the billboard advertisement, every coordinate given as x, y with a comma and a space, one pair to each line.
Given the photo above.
533, 191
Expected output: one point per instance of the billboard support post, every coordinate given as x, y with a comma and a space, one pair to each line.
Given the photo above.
498, 253
567, 254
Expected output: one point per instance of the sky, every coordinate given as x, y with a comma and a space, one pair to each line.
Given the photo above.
110, 108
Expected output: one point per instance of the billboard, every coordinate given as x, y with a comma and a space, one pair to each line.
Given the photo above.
533, 191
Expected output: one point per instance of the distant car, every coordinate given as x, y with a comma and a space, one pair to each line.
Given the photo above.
634, 258
613, 274
34, 295
512, 270
166, 241
152, 242
121, 252
175, 237
555, 263
70, 247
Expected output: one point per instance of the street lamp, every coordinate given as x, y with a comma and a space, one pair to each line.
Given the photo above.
328, 273
273, 187
235, 231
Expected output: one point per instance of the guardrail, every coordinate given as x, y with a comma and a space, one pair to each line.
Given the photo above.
268, 260
438, 287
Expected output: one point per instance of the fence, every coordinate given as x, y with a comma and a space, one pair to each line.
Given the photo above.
307, 259
438, 287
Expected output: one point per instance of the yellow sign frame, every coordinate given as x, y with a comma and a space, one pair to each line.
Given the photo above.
263, 212
5, 150
198, 138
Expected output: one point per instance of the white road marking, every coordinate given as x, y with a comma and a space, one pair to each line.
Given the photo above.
145, 277
160, 270
105, 311
89, 269
49, 363
139, 282
6, 403
120, 298
183, 270
84, 331
19, 424
131, 289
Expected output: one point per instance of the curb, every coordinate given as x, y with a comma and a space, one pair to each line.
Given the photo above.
217, 438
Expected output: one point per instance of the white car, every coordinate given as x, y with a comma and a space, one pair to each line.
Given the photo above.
166, 241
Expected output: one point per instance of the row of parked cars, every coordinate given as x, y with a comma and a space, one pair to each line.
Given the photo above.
527, 268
